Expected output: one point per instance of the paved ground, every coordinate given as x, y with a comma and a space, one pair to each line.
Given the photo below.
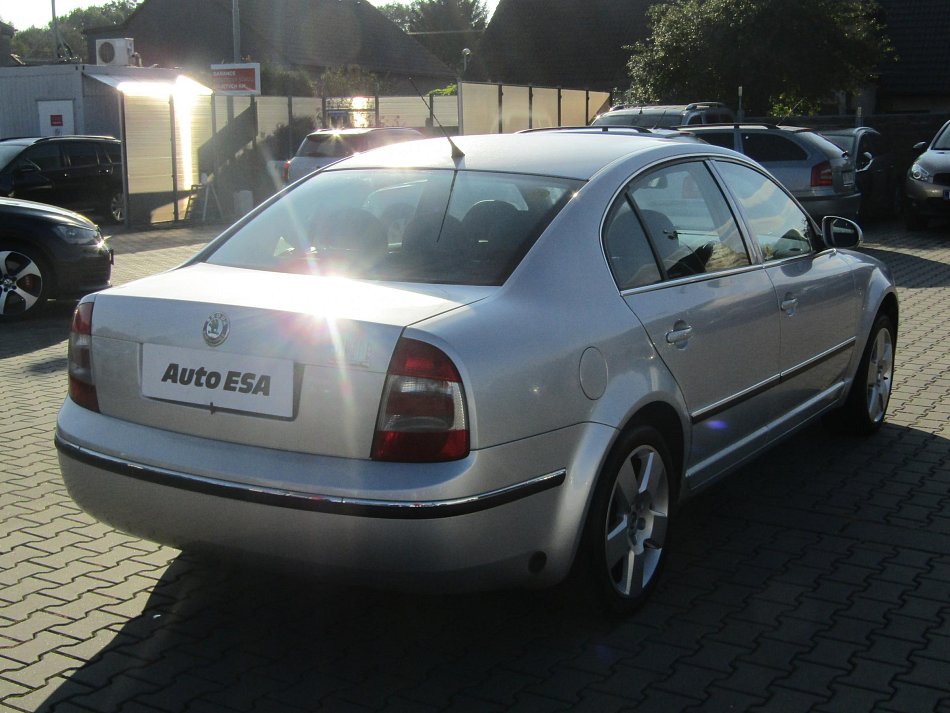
817, 579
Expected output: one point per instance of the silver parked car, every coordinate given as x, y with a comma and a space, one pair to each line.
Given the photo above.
324, 146
928, 181
555, 338
818, 173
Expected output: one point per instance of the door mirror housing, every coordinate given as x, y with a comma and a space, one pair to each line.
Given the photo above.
841, 232
920, 146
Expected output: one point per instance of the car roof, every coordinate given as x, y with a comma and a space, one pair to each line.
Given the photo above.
361, 131
28, 140
567, 154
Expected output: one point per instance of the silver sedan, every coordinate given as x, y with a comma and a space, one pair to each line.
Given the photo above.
486, 363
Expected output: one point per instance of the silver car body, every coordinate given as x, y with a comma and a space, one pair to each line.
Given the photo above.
792, 154
555, 362
927, 186
326, 146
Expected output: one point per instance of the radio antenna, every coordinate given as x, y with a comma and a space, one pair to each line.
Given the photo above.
457, 153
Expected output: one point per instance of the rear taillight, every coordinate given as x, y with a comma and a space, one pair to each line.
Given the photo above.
821, 175
286, 171
422, 416
82, 386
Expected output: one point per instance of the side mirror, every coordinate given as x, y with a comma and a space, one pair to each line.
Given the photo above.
921, 146
841, 232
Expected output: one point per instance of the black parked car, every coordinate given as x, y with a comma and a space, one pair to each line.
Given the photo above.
874, 169
82, 173
47, 252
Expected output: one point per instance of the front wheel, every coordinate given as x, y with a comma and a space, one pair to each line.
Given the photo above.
863, 412
627, 530
24, 282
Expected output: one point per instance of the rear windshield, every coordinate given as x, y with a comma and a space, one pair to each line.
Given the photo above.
842, 141
401, 225
332, 145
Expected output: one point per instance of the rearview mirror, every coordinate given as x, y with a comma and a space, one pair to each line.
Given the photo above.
840, 232
921, 146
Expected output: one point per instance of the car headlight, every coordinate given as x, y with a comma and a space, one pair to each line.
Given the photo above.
919, 173
78, 235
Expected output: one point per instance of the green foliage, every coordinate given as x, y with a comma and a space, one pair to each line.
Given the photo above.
784, 54
36, 43
278, 81
449, 91
347, 82
444, 27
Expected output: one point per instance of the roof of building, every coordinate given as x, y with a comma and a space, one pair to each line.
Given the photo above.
920, 34
293, 33
571, 43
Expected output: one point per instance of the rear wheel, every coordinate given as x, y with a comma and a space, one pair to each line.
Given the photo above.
116, 208
24, 282
627, 530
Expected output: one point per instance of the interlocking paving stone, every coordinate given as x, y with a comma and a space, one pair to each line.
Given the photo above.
817, 578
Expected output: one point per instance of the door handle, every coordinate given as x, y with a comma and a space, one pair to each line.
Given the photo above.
679, 335
789, 305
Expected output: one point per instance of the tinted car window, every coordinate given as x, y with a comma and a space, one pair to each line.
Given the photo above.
777, 224
111, 153
46, 156
628, 251
770, 147
331, 145
688, 220
81, 153
431, 226
726, 139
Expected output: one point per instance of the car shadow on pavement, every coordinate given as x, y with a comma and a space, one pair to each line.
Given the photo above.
911, 270
48, 327
787, 568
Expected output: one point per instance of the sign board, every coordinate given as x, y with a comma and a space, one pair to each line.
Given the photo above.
56, 117
236, 80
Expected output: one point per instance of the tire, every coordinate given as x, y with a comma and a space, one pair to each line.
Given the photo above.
864, 411
24, 282
115, 208
625, 539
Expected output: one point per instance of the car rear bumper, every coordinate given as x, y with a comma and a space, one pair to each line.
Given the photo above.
522, 534
844, 206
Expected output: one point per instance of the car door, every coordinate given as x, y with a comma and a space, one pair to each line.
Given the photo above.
82, 183
817, 299
679, 259
37, 174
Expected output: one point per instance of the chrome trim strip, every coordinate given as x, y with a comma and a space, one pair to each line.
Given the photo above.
295, 500
726, 404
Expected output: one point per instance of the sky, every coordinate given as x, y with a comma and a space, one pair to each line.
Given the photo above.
28, 13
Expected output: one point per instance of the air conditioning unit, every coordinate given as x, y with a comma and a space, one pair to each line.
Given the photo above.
116, 52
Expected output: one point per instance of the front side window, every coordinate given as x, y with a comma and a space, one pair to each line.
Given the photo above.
404, 225
688, 220
777, 224
45, 157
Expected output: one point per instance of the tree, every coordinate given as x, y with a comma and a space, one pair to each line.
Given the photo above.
36, 43
444, 27
783, 54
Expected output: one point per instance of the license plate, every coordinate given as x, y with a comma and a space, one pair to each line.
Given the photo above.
218, 380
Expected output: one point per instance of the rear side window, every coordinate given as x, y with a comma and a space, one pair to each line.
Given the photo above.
81, 154
687, 221
110, 153
726, 139
771, 147
427, 226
